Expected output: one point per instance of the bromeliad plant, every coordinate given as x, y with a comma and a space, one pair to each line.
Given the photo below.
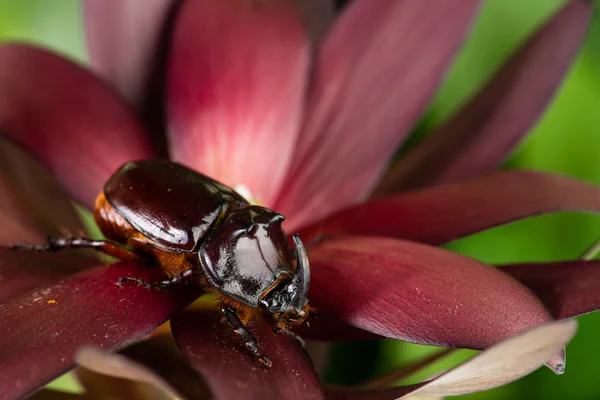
301, 109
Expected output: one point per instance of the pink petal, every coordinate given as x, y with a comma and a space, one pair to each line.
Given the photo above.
236, 85
41, 330
418, 293
67, 119
374, 75
483, 133
22, 271
503, 363
567, 288
447, 212
216, 351
32, 199
123, 39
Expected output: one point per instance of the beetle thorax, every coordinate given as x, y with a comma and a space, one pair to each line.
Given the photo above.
246, 254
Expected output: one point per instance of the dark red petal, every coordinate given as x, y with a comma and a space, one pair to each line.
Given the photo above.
236, 85
481, 135
218, 353
374, 74
418, 293
123, 41
567, 288
42, 329
21, 271
447, 212
66, 118
31, 198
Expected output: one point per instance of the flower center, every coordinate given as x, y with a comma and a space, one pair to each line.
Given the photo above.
243, 191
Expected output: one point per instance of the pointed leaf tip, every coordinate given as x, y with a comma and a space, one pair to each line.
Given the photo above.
567, 288
418, 293
505, 362
499, 365
483, 133
443, 213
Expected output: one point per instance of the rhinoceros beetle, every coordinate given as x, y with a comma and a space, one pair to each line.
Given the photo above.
191, 225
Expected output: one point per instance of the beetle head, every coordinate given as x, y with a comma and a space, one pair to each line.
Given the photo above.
288, 302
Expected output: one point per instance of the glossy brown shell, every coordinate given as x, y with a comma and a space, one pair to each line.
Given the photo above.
170, 204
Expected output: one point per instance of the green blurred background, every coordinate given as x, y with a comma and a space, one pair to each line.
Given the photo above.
566, 140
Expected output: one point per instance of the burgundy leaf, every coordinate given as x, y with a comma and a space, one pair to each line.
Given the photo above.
67, 119
42, 329
374, 74
32, 198
567, 288
218, 353
22, 271
236, 84
420, 294
483, 133
447, 212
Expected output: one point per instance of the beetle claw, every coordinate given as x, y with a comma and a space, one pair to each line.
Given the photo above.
265, 362
124, 279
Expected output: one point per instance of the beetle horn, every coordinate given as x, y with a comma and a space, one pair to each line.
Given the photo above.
302, 277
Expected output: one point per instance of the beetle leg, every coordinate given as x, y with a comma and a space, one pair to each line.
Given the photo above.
160, 285
58, 244
238, 326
